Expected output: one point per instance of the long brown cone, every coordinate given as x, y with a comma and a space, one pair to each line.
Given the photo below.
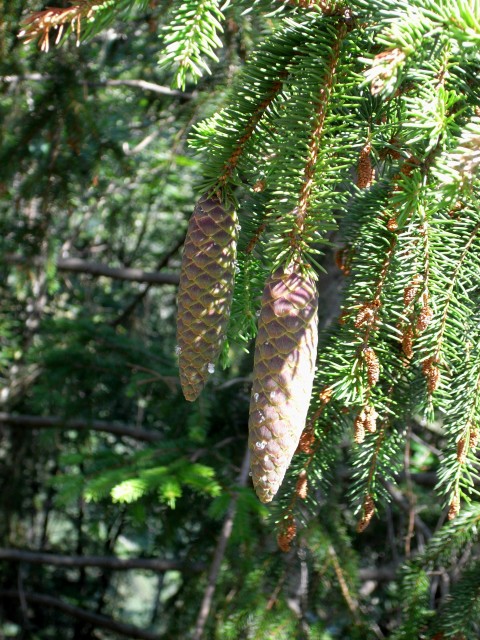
205, 291
284, 367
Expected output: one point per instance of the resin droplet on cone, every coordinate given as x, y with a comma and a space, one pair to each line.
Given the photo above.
205, 291
284, 367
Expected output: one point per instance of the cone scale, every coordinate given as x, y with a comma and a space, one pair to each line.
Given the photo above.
284, 368
205, 291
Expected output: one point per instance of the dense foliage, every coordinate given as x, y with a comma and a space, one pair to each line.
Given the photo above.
346, 138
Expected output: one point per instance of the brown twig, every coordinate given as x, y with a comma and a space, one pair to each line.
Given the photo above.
98, 621
220, 549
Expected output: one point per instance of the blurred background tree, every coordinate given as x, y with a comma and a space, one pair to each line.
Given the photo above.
127, 512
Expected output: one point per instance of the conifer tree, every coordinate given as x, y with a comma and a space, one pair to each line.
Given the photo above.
352, 125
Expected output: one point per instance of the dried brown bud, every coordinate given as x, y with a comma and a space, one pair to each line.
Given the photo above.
411, 290
433, 379
454, 507
325, 395
407, 342
392, 224
343, 259
462, 450
359, 428
368, 511
373, 366
432, 373
343, 317
474, 436
365, 171
306, 442
287, 535
301, 488
365, 315
424, 318
370, 421
259, 186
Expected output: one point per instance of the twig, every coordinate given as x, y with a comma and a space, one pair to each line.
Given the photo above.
225, 534
140, 296
99, 621
398, 498
144, 85
56, 422
104, 562
78, 265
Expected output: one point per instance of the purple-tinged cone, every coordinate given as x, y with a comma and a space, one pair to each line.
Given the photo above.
205, 291
284, 368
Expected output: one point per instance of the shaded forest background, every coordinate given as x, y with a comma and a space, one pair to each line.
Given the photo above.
127, 512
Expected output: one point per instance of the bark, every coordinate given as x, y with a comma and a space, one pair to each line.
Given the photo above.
78, 265
98, 621
56, 422
101, 562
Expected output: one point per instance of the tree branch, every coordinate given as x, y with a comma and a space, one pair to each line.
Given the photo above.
102, 562
220, 549
56, 422
144, 85
99, 621
77, 265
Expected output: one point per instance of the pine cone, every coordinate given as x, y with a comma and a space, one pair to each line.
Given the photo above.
284, 366
205, 291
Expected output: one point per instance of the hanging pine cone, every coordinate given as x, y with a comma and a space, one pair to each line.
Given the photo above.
284, 366
205, 291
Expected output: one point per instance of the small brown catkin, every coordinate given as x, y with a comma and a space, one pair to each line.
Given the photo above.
407, 342
325, 395
368, 511
301, 488
411, 290
424, 318
306, 442
365, 315
370, 421
372, 364
365, 170
392, 224
474, 437
433, 379
432, 373
462, 450
359, 428
287, 535
454, 508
